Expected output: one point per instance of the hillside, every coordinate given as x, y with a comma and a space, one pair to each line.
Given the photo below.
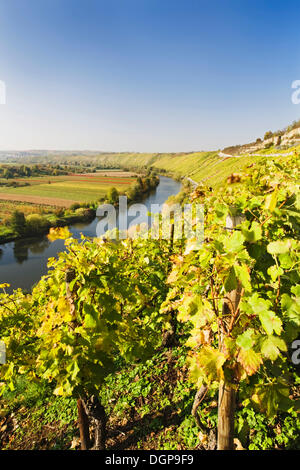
91, 326
210, 167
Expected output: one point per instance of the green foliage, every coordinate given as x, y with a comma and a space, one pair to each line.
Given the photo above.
18, 222
268, 135
36, 223
94, 323
261, 258
112, 196
78, 328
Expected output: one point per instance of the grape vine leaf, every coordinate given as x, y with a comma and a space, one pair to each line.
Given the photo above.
250, 360
271, 347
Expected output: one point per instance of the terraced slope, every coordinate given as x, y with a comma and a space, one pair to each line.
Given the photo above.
200, 166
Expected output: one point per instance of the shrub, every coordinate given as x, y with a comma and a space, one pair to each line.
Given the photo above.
59, 212
268, 135
36, 223
74, 206
269, 145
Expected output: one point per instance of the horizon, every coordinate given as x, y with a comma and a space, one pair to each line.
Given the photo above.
145, 76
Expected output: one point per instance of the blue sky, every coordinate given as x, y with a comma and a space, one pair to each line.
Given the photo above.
146, 75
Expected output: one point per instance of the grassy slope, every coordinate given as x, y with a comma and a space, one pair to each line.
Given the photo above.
200, 166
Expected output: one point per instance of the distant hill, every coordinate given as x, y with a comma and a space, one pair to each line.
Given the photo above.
281, 139
207, 167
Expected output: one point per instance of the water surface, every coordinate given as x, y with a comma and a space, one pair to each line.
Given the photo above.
23, 262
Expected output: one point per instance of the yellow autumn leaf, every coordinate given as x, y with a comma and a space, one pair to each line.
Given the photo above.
271, 200
210, 362
59, 391
59, 233
64, 309
250, 360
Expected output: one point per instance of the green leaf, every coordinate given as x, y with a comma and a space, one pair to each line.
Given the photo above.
270, 322
258, 304
243, 275
291, 307
231, 281
90, 319
272, 346
268, 396
296, 290
190, 307
285, 260
252, 234
245, 340
220, 210
279, 247
275, 272
235, 242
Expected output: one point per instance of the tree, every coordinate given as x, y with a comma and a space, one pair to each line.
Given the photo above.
113, 195
134, 192
18, 222
268, 135
8, 173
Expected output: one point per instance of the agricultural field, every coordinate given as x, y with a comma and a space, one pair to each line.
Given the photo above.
63, 191
7, 208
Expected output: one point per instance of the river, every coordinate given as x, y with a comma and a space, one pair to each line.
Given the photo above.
24, 262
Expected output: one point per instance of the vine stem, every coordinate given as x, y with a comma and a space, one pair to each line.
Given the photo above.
270, 216
235, 315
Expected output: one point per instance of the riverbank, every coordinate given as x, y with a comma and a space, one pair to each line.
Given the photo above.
37, 224
8, 234
23, 262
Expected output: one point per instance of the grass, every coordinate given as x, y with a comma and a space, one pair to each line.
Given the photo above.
149, 407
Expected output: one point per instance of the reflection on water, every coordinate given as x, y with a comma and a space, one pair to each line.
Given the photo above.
35, 246
23, 262
20, 251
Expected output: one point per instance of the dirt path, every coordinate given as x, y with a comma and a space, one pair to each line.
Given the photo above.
227, 155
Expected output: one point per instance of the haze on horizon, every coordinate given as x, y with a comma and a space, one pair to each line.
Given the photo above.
146, 75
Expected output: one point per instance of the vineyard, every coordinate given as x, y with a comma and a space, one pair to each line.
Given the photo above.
151, 344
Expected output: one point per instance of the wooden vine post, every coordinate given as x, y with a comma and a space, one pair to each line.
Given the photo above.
169, 336
227, 394
83, 422
89, 408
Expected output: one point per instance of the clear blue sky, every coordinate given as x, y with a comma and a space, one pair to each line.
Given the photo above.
146, 75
